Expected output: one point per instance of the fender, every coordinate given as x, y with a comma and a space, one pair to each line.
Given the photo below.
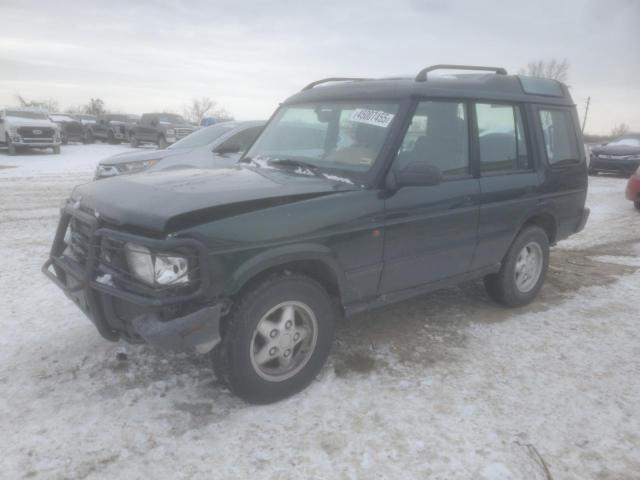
283, 255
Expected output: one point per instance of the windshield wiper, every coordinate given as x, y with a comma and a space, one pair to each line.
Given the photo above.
290, 162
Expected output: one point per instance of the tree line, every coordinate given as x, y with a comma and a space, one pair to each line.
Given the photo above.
195, 111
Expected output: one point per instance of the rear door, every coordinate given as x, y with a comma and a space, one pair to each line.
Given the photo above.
430, 232
509, 183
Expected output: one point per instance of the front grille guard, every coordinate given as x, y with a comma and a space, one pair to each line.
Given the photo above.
84, 276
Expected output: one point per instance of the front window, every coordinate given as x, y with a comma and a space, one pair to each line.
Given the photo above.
346, 137
26, 114
170, 118
202, 137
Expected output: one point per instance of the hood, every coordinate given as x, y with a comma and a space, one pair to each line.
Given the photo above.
617, 150
142, 156
167, 201
30, 122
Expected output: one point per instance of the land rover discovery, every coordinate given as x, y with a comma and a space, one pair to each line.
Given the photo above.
358, 193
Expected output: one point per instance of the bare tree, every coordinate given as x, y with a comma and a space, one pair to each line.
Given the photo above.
94, 107
49, 104
205, 107
619, 130
557, 70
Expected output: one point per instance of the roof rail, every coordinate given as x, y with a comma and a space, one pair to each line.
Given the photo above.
333, 79
422, 75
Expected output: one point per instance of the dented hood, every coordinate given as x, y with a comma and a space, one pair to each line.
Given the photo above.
167, 201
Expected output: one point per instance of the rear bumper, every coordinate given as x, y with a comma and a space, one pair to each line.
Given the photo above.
583, 220
626, 167
171, 322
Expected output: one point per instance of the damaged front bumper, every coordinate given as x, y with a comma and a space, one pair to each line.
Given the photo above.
120, 308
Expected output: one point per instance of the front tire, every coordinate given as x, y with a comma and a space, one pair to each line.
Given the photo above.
523, 269
11, 147
56, 149
276, 339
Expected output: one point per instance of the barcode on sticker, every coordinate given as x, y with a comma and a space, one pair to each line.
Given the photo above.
372, 117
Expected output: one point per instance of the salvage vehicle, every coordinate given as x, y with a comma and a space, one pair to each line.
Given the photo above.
111, 128
22, 128
621, 156
70, 128
220, 145
633, 189
162, 129
358, 193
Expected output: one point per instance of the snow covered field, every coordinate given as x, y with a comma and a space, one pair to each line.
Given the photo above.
446, 386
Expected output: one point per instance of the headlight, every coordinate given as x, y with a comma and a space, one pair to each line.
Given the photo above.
131, 167
171, 131
156, 268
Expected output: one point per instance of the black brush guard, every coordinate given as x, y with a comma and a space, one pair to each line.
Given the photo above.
78, 281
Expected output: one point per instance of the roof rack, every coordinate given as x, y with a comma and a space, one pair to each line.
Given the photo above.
333, 79
422, 75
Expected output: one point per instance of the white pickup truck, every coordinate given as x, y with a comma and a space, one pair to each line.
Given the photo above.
28, 128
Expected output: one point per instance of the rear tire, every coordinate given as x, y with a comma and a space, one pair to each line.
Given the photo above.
11, 147
162, 142
133, 140
523, 269
276, 339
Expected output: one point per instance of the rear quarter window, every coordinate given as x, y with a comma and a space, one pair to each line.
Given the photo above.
560, 141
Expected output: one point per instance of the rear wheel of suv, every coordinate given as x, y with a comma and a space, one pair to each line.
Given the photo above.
523, 269
276, 339
162, 142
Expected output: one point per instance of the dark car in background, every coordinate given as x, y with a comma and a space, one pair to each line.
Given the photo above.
111, 128
161, 129
217, 146
411, 185
621, 156
71, 130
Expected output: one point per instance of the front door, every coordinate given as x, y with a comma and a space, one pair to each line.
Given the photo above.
431, 232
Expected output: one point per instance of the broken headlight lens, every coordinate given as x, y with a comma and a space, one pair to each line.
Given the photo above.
156, 268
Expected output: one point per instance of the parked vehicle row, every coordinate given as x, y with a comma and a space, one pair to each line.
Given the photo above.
356, 194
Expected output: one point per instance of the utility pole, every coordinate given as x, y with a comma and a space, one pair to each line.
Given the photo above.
586, 111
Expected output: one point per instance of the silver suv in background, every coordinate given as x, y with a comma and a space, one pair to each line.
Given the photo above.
28, 128
163, 129
217, 146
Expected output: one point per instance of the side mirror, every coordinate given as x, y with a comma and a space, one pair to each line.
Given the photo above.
227, 148
414, 174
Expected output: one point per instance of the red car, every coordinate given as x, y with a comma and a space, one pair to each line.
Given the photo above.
633, 188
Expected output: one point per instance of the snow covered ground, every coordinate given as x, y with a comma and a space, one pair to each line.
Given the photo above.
446, 386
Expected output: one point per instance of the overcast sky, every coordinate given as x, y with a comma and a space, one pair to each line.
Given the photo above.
250, 55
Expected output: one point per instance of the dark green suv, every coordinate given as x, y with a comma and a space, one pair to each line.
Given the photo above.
358, 193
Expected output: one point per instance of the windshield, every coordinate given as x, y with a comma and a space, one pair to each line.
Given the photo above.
346, 137
26, 114
170, 118
202, 137
626, 141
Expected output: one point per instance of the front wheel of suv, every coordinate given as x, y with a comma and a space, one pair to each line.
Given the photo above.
523, 269
276, 339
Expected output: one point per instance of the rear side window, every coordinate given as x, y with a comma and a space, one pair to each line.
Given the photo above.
438, 135
503, 147
560, 140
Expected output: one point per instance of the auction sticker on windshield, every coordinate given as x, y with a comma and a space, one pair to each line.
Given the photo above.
372, 117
